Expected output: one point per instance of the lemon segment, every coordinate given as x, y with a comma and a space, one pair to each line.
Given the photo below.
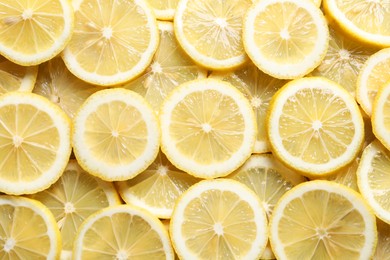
373, 179
374, 74
118, 39
61, 87
40, 239
34, 143
122, 232
258, 88
115, 134
327, 220
32, 32
381, 115
208, 128
210, 31
286, 39
315, 126
157, 188
74, 197
170, 67
219, 219
366, 21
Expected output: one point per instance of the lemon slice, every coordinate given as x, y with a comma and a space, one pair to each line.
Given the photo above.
373, 179
113, 41
381, 115
122, 232
315, 126
32, 32
322, 220
169, 68
383, 246
259, 88
164, 9
74, 197
34, 143
343, 61
157, 188
219, 219
286, 39
367, 21
210, 31
374, 74
268, 178
57, 84
28, 230
208, 128
115, 134
14, 77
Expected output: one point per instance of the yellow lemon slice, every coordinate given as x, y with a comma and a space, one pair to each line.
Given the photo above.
219, 219
32, 32
381, 115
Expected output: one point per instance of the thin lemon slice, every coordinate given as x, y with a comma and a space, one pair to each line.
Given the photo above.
383, 247
73, 198
113, 41
373, 179
374, 74
115, 134
210, 31
259, 88
381, 115
34, 143
57, 84
268, 178
122, 232
14, 77
32, 32
343, 61
367, 21
315, 126
217, 219
157, 188
28, 230
208, 128
170, 67
164, 9
322, 220
286, 39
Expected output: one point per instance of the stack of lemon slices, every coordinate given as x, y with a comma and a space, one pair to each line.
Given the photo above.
194, 129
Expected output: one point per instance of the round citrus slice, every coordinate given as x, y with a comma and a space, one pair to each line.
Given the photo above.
115, 134
170, 67
210, 31
286, 39
322, 220
32, 32
268, 178
61, 87
164, 9
34, 143
258, 88
315, 126
374, 74
366, 21
343, 61
73, 198
374, 178
113, 41
122, 232
217, 219
14, 77
381, 115
28, 230
208, 128
157, 188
